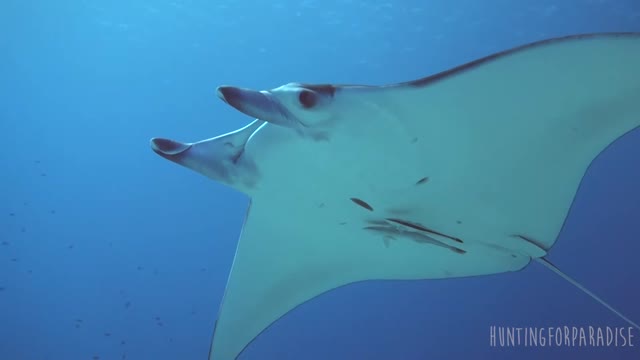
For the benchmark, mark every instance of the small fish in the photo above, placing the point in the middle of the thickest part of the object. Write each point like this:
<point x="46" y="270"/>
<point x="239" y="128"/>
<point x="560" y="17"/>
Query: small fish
<point x="422" y="181"/>
<point x="362" y="203"/>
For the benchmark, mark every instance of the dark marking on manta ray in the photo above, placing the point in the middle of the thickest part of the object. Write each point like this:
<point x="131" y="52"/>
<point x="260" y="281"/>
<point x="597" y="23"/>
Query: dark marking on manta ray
<point x="422" y="228"/>
<point x="422" y="181"/>
<point x="362" y="203"/>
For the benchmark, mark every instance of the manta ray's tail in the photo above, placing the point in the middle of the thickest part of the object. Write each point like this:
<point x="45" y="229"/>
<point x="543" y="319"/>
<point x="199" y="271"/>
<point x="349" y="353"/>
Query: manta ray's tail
<point x="553" y="268"/>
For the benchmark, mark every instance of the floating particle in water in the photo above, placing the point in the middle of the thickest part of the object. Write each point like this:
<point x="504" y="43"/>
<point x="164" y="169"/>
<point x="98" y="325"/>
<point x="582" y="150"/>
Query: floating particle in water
<point x="127" y="304"/>
<point x="79" y="320"/>
<point x="5" y="243"/>
<point x="43" y="174"/>
<point x="29" y="272"/>
<point x="160" y="324"/>
<point x="14" y="259"/>
<point x="1" y="288"/>
<point x="12" y="214"/>
<point x="122" y="342"/>
<point x="36" y="161"/>
<point x="107" y="334"/>
<point x="53" y="212"/>
<point x="157" y="318"/>
<point x="139" y="268"/>
<point x="70" y="246"/>
<point x="96" y="357"/>
<point x="77" y="326"/>
<point x="23" y="229"/>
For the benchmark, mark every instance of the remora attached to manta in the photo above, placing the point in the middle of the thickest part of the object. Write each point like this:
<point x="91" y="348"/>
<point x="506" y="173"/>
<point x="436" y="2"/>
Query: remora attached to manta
<point x="471" y="171"/>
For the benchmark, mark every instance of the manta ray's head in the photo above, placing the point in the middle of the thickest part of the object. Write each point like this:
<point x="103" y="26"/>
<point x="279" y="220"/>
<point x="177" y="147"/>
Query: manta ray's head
<point x="293" y="105"/>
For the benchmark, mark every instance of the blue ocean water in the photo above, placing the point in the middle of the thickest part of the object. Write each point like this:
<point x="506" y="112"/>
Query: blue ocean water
<point x="110" y="251"/>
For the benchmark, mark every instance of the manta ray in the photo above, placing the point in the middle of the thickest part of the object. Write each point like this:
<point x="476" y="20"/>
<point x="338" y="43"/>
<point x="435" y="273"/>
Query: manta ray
<point x="470" y="171"/>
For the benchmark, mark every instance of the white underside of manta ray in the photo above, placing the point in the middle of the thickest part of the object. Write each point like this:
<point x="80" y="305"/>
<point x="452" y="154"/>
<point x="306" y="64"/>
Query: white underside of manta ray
<point x="467" y="172"/>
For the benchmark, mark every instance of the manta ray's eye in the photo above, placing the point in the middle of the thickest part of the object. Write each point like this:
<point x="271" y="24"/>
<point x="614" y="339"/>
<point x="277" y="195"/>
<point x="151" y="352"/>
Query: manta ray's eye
<point x="307" y="98"/>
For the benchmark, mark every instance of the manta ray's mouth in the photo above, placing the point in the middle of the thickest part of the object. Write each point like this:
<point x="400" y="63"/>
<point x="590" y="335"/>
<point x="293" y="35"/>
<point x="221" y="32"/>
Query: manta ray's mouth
<point x="167" y="147"/>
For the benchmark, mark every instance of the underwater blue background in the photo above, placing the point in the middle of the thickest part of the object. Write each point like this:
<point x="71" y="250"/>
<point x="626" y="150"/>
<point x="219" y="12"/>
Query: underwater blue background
<point x="109" y="250"/>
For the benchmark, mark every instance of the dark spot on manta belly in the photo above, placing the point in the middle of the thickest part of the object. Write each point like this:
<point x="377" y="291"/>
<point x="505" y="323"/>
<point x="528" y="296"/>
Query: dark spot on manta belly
<point x="422" y="181"/>
<point x="362" y="203"/>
